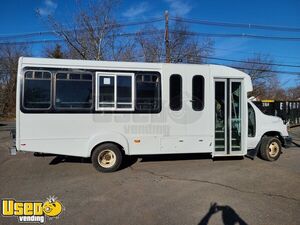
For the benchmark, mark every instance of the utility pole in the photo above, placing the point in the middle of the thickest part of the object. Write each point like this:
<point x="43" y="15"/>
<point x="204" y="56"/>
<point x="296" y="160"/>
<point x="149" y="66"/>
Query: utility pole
<point x="167" y="46"/>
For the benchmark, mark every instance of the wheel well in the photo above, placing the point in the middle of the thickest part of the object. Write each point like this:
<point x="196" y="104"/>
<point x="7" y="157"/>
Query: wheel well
<point x="108" y="142"/>
<point x="275" y="134"/>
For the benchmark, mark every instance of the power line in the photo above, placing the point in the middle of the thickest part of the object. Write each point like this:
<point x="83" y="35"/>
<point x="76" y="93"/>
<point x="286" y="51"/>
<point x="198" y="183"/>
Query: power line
<point x="173" y="32"/>
<point x="159" y="19"/>
<point x="60" y="40"/>
<point x="32" y="42"/>
<point x="251" y="53"/>
<point x="217" y="35"/>
<point x="270" y="71"/>
<point x="253" y="69"/>
<point x="145" y="33"/>
<point x="237" y="25"/>
<point x="251" y="62"/>
<point x="228" y="35"/>
<point x="115" y="25"/>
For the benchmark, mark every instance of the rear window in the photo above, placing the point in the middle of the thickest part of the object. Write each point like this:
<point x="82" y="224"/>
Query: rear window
<point x="37" y="90"/>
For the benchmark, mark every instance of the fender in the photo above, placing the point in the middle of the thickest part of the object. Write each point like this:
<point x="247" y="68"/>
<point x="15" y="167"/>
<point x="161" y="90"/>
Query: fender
<point x="107" y="137"/>
<point x="252" y="153"/>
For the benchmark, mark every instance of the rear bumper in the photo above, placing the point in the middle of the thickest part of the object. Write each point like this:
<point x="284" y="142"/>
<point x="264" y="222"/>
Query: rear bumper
<point x="12" y="148"/>
<point x="287" y="141"/>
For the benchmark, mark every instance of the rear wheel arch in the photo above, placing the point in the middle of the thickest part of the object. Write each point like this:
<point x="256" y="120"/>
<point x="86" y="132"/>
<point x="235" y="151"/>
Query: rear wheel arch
<point x="108" y="142"/>
<point x="110" y="137"/>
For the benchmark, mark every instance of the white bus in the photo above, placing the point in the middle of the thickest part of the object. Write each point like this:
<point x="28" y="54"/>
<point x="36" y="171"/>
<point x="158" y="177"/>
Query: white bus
<point x="106" y="110"/>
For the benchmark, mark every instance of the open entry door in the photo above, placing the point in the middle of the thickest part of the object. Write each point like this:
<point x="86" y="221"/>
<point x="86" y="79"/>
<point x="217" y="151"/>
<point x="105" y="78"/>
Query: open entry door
<point x="228" y="117"/>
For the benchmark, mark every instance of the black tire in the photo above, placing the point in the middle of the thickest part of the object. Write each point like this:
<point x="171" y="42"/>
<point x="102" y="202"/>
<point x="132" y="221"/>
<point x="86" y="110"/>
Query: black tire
<point x="265" y="150"/>
<point x="114" y="153"/>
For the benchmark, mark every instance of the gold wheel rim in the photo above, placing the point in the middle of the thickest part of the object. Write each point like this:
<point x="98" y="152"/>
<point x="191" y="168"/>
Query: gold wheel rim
<point x="273" y="149"/>
<point x="107" y="158"/>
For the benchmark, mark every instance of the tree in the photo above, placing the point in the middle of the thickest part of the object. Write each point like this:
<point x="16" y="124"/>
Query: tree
<point x="151" y="46"/>
<point x="294" y="93"/>
<point x="9" y="56"/>
<point x="260" y="70"/>
<point x="184" y="47"/>
<point x="275" y="91"/>
<point x="96" y="35"/>
<point x="94" y="32"/>
<point x="54" y="52"/>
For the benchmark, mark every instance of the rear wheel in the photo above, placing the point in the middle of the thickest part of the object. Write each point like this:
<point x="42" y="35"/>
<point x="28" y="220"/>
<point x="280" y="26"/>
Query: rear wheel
<point x="270" y="148"/>
<point x="107" y="158"/>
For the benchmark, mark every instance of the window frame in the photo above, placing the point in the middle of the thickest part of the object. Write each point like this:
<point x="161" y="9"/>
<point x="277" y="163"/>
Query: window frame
<point x="59" y="109"/>
<point x="146" y="111"/>
<point x="203" y="93"/>
<point x="180" y="105"/>
<point x="115" y="103"/>
<point x="248" y="104"/>
<point x="23" y="89"/>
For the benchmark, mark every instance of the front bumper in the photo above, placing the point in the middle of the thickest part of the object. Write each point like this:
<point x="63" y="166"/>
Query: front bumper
<point x="287" y="141"/>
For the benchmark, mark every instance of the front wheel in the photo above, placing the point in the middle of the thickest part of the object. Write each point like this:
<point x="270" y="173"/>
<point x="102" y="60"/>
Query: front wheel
<point x="270" y="148"/>
<point x="107" y="158"/>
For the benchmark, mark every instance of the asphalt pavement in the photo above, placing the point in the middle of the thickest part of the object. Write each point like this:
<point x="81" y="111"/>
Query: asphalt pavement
<point x="184" y="189"/>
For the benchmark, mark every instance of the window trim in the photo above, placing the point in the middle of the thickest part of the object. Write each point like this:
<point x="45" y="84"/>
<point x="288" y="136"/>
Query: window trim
<point x="23" y="89"/>
<point x="180" y="107"/>
<point x="158" y="110"/>
<point x="115" y="103"/>
<point x="74" y="80"/>
<point x="203" y="93"/>
<point x="248" y="104"/>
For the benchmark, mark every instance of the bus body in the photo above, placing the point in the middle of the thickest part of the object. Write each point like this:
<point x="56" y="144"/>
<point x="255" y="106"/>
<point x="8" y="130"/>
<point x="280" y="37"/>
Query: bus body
<point x="71" y="107"/>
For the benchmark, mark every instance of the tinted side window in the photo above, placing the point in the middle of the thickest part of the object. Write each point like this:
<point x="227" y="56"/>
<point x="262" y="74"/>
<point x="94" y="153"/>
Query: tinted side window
<point x="106" y="91"/>
<point x="198" y="93"/>
<point x="251" y="121"/>
<point x="148" y="93"/>
<point x="73" y="91"/>
<point x="124" y="91"/>
<point x="175" y="92"/>
<point x="37" y="90"/>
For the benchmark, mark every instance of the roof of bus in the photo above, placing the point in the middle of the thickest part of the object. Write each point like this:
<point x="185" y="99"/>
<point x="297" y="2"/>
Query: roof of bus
<point x="214" y="70"/>
<point x="49" y="62"/>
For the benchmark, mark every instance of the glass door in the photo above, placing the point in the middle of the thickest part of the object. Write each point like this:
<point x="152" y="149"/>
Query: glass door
<point x="228" y="117"/>
<point x="221" y="116"/>
<point x="235" y="107"/>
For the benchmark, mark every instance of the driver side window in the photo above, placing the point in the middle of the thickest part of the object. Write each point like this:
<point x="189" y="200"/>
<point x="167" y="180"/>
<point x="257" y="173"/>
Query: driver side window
<point x="251" y="121"/>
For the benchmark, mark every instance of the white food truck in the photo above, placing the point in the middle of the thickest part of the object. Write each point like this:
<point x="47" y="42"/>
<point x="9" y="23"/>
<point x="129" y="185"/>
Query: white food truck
<point x="106" y="110"/>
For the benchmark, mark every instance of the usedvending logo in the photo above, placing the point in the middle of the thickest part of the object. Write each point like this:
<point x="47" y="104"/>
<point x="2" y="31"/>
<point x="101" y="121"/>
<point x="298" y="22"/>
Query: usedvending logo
<point x="32" y="211"/>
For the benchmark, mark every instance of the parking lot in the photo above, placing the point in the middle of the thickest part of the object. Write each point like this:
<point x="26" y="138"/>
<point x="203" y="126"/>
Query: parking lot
<point x="191" y="189"/>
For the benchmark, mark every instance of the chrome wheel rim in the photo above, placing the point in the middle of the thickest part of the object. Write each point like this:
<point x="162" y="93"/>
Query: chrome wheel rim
<point x="273" y="149"/>
<point x="107" y="158"/>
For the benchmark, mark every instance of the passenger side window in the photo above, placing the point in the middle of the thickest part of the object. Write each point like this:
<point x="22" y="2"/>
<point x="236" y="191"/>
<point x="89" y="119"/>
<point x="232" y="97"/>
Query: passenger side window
<point x="251" y="121"/>
<point x="175" y="92"/>
<point x="114" y="91"/>
<point x="148" y="93"/>
<point x="198" y="93"/>
<point x="73" y="90"/>
<point x="37" y="90"/>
